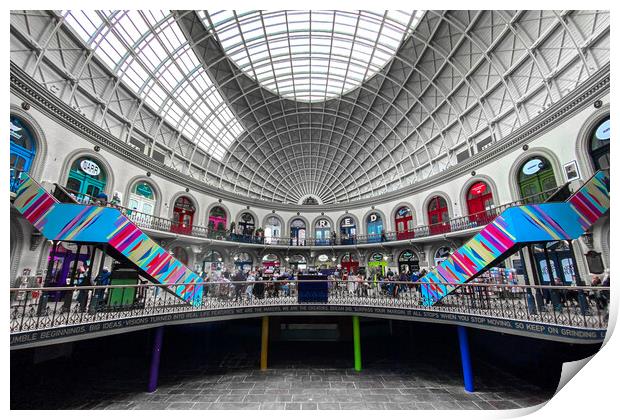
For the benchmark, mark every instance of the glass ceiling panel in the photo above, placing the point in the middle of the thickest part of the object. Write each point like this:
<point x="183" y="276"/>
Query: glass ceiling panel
<point x="148" y="51"/>
<point x="310" y="56"/>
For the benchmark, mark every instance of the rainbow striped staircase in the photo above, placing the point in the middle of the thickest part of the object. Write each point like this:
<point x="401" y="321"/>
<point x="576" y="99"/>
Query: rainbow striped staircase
<point x="515" y="228"/>
<point x="99" y="225"/>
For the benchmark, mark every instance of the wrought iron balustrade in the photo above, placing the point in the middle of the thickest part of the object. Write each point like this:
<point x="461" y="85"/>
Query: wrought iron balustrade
<point x="41" y="308"/>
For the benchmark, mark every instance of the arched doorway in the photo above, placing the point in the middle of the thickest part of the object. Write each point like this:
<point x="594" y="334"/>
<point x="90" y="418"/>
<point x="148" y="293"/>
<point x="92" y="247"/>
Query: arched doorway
<point x="246" y="224"/>
<point x="442" y="254"/>
<point x="536" y="176"/>
<point x="408" y="262"/>
<point x="438" y="217"/>
<point x="180" y="254"/>
<point x="217" y="222"/>
<point x="298" y="232"/>
<point x="347" y="231"/>
<point x="599" y="144"/>
<point x="87" y="179"/>
<point x="271" y="261"/>
<point x="22" y="150"/>
<point x="298" y="262"/>
<point x="374" y="226"/>
<point x="349" y="263"/>
<point x="377" y="262"/>
<point x="273" y="230"/>
<point x="142" y="198"/>
<point x="479" y="202"/>
<point x="243" y="261"/>
<point x="212" y="261"/>
<point x="322" y="232"/>
<point x="403" y="220"/>
<point x="183" y="216"/>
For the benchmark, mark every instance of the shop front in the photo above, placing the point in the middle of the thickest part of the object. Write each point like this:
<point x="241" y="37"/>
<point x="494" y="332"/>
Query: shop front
<point x="22" y="150"/>
<point x="349" y="263"/>
<point x="403" y="221"/>
<point x="347" y="231"/>
<point x="243" y="261"/>
<point x="479" y="202"/>
<point x="322" y="232"/>
<point x="217" y="222"/>
<point x="87" y="179"/>
<point x="408" y="262"/>
<point x="377" y="263"/>
<point x="298" y="232"/>
<point x="212" y="261"/>
<point x="271" y="262"/>
<point x="183" y="216"/>
<point x="438" y="217"/>
<point x="374" y="226"/>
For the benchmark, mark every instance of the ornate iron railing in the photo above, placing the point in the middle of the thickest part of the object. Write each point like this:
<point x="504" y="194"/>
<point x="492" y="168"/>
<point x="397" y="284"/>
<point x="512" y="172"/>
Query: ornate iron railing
<point x="34" y="309"/>
<point x="471" y="221"/>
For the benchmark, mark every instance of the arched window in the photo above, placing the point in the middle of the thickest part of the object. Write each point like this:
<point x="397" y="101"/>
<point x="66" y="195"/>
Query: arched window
<point x="438" y="217"/>
<point x="87" y="179"/>
<point x="403" y="220"/>
<point x="479" y="202"/>
<point x="212" y="261"/>
<point x="374" y="225"/>
<point x="273" y="230"/>
<point x="442" y="254"/>
<point x="217" y="221"/>
<point x="243" y="261"/>
<point x="183" y="216"/>
<point x="347" y="231"/>
<point x="180" y="254"/>
<point x="22" y="151"/>
<point x="322" y="232"/>
<point x="408" y="262"/>
<point x="298" y="232"/>
<point x="271" y="261"/>
<point x="142" y="198"/>
<point x="246" y="224"/>
<point x="599" y="144"/>
<point x="536" y="176"/>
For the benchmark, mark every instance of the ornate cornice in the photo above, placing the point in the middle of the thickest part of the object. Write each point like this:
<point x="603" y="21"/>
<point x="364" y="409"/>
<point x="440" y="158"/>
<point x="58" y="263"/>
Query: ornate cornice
<point x="46" y="102"/>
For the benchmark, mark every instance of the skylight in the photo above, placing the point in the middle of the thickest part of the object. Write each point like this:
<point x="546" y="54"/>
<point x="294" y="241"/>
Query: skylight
<point x="148" y="51"/>
<point x="310" y="56"/>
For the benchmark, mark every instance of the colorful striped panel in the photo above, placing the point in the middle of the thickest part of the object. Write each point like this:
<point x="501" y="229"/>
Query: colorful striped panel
<point x="94" y="224"/>
<point x="518" y="226"/>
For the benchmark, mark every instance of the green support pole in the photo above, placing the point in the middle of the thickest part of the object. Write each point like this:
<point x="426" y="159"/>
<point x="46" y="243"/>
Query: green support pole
<point x="357" y="349"/>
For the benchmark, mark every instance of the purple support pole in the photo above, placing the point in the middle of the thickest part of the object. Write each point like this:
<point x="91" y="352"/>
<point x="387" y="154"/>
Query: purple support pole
<point x="154" y="374"/>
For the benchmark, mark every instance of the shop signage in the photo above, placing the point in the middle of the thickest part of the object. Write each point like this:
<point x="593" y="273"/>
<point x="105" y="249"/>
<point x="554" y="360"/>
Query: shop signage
<point x="377" y="257"/>
<point x="533" y="166"/>
<point x="322" y="223"/>
<point x="518" y="327"/>
<point x="90" y="167"/>
<point x="406" y="255"/>
<point x="347" y="222"/>
<point x="478" y="188"/>
<point x="602" y="132"/>
<point x="323" y="258"/>
<point x="373" y="217"/>
<point x="144" y="190"/>
<point x="403" y="211"/>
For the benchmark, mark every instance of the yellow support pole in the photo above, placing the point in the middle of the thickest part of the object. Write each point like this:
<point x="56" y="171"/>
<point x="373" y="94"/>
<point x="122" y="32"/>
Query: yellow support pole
<point x="264" y="343"/>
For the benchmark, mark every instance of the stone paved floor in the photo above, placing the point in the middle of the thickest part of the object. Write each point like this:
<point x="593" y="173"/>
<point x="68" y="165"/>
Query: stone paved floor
<point x="236" y="383"/>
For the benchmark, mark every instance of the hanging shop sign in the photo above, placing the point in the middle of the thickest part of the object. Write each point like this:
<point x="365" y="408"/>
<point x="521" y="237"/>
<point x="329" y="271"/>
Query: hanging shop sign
<point x="602" y="132"/>
<point x="322" y="223"/>
<point x="323" y="258"/>
<point x="376" y="257"/>
<point x="90" y="167"/>
<point x="373" y="217"/>
<point x="533" y="166"/>
<point x="479" y="188"/>
<point x="406" y="256"/>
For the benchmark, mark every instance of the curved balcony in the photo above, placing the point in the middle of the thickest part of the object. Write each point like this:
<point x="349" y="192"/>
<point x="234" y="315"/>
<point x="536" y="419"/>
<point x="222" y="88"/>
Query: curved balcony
<point x="471" y="222"/>
<point x="39" y="316"/>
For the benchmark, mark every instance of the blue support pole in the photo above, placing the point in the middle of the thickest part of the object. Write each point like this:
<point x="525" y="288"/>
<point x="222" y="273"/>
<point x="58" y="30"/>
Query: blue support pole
<point x="468" y="375"/>
<point x="154" y="373"/>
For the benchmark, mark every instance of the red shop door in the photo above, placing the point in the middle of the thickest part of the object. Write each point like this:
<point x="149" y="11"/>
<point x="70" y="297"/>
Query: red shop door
<point x="404" y="228"/>
<point x="182" y="221"/>
<point x="438" y="218"/>
<point x="350" y="266"/>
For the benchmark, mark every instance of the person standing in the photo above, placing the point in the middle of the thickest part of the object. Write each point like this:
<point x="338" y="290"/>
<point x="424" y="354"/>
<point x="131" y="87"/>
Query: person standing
<point x="103" y="279"/>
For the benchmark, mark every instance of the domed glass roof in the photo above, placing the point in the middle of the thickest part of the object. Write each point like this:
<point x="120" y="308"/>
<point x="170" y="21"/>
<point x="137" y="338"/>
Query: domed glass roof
<point x="311" y="56"/>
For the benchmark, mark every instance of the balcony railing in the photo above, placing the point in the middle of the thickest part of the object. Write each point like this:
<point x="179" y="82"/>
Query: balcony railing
<point x="458" y="224"/>
<point x="41" y="308"/>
